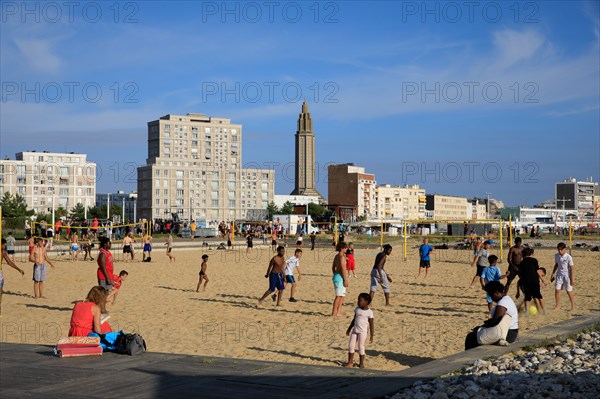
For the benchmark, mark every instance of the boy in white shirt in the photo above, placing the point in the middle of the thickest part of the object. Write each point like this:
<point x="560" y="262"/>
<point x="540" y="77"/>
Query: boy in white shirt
<point x="565" y="277"/>
<point x="293" y="263"/>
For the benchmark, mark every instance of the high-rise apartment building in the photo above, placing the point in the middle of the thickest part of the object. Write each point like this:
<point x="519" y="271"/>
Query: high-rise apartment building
<point x="406" y="203"/>
<point x="194" y="169"/>
<point x="576" y="195"/>
<point x="47" y="179"/>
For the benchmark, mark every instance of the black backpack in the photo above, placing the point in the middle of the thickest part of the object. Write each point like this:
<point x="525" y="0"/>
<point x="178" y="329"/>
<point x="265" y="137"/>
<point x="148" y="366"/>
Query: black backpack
<point x="131" y="344"/>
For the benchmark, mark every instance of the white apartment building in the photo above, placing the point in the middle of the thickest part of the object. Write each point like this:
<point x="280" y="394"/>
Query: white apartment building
<point x="446" y="207"/>
<point x="194" y="169"/>
<point x="399" y="203"/>
<point x="47" y="179"/>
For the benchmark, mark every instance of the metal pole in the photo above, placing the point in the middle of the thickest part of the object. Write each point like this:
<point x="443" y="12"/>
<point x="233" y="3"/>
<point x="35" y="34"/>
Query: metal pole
<point x="335" y="230"/>
<point x="134" y="211"/>
<point x="510" y="237"/>
<point x="108" y="206"/>
<point x="570" y="233"/>
<point x="501" y="238"/>
<point x="405" y="239"/>
<point x="85" y="209"/>
<point x="123" y="221"/>
<point x="53" y="208"/>
<point x="381" y="234"/>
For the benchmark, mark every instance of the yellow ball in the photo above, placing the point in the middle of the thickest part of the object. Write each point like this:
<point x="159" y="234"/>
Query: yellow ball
<point x="532" y="310"/>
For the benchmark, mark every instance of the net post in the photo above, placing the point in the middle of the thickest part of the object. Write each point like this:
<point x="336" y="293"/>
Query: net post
<point x="405" y="239"/>
<point x="501" y="239"/>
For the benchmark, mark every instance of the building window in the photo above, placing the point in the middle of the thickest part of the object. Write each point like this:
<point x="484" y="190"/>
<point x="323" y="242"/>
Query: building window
<point x="179" y="184"/>
<point x="179" y="193"/>
<point x="214" y="203"/>
<point x="214" y="194"/>
<point x="232" y="203"/>
<point x="179" y="174"/>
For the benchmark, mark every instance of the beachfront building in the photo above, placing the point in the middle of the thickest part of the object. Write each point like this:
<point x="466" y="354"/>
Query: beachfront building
<point x="351" y="191"/>
<point x="446" y="207"/>
<point x="576" y="195"/>
<point x="126" y="201"/>
<point x="194" y="170"/>
<point x="295" y="200"/>
<point x="399" y="203"/>
<point x="478" y="209"/>
<point x="305" y="169"/>
<point x="524" y="216"/>
<point x="50" y="179"/>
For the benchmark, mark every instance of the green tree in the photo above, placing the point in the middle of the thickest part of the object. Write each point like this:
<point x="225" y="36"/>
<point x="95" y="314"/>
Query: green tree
<point x="287" y="208"/>
<point x="316" y="211"/>
<point x="60" y="212"/>
<point x="14" y="210"/>
<point x="100" y="211"/>
<point x="78" y="212"/>
<point x="272" y="210"/>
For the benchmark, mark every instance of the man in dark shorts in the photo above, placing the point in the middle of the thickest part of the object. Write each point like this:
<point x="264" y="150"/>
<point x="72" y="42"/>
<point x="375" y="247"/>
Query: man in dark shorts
<point x="249" y="243"/>
<point x="425" y="250"/>
<point x="275" y="276"/>
<point x="515" y="257"/>
<point x="481" y="259"/>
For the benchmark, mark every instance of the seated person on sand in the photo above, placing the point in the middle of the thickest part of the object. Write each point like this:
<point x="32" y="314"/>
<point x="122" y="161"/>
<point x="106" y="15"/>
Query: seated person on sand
<point x="86" y="316"/>
<point x="503" y="327"/>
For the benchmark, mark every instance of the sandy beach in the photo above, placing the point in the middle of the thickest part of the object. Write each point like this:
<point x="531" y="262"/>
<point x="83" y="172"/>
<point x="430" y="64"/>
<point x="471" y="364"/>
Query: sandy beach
<point x="428" y="320"/>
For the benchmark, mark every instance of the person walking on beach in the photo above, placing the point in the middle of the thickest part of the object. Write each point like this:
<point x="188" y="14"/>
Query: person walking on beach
<point x="6" y="259"/>
<point x="75" y="249"/>
<point x="202" y="275"/>
<point x="39" y="257"/>
<point x="169" y="244"/>
<point x="514" y="260"/>
<point x="313" y="238"/>
<point x="425" y="250"/>
<point x="249" y="243"/>
<point x="481" y="260"/>
<point x="357" y="331"/>
<point x="275" y="276"/>
<point x="193" y="229"/>
<point x="379" y="276"/>
<point x="565" y="276"/>
<point x="340" y="278"/>
<point x="292" y="263"/>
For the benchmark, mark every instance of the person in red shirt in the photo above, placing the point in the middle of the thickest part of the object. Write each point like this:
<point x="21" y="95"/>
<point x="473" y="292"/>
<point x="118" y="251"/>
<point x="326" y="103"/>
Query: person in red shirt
<point x="105" y="265"/>
<point x="87" y="316"/>
<point x="111" y="299"/>
<point x="95" y="227"/>
<point x="57" y="228"/>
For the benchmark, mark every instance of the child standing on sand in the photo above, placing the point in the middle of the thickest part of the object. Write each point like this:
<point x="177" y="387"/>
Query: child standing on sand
<point x="363" y="318"/>
<point x="350" y="263"/>
<point x="565" y="276"/>
<point x="202" y="274"/>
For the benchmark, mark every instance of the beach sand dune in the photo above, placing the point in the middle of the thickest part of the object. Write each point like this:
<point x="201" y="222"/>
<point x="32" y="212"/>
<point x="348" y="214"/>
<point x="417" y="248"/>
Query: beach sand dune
<point x="428" y="319"/>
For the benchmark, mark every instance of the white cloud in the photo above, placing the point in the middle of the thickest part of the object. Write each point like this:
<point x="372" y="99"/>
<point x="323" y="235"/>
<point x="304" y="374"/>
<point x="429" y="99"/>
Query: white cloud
<point x="39" y="54"/>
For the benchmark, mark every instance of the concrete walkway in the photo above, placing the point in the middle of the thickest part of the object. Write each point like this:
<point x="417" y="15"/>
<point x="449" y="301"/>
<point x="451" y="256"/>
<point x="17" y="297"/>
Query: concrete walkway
<point x="31" y="371"/>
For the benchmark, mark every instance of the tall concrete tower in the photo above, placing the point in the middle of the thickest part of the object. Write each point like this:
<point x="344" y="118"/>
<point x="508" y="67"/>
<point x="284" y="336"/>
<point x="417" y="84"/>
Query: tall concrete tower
<point x="305" y="156"/>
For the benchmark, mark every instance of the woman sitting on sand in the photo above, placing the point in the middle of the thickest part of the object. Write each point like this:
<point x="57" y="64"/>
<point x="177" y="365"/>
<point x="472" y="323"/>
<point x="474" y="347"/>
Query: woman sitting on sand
<point x="86" y="317"/>
<point x="503" y="327"/>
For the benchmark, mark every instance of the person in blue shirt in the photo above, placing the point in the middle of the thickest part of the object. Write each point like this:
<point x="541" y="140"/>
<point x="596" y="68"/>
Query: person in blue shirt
<point x="424" y="251"/>
<point x="491" y="273"/>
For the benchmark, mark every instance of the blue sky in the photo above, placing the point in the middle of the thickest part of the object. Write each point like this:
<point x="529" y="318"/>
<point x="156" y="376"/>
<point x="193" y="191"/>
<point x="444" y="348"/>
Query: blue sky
<point x="501" y="98"/>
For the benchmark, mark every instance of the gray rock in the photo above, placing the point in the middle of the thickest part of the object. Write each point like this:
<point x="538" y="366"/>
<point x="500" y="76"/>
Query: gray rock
<point x="579" y="351"/>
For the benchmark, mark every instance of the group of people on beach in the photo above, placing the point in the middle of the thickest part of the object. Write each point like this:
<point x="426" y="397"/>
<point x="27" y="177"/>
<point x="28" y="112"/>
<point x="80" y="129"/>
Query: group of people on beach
<point x="282" y="273"/>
